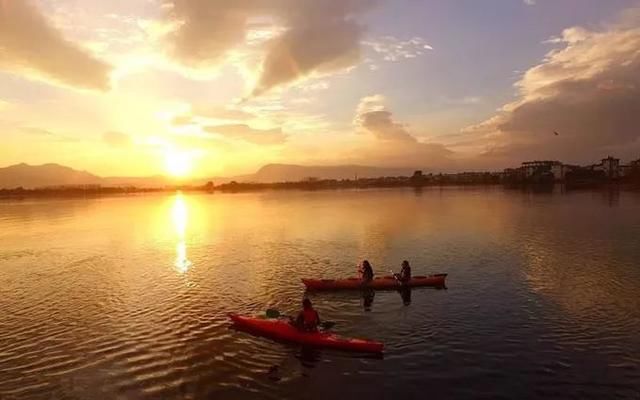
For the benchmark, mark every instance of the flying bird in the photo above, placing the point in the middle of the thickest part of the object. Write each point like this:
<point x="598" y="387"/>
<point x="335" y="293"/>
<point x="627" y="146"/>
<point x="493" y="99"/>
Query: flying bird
<point x="556" y="133"/>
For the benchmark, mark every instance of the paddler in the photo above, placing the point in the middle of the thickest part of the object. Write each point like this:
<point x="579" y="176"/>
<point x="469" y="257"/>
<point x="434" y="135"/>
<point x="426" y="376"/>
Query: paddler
<point x="405" y="273"/>
<point x="308" y="319"/>
<point x="366" y="272"/>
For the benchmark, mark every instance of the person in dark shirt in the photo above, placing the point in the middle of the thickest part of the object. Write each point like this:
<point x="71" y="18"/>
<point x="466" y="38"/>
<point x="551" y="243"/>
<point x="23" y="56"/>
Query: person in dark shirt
<point x="405" y="273"/>
<point x="366" y="272"/>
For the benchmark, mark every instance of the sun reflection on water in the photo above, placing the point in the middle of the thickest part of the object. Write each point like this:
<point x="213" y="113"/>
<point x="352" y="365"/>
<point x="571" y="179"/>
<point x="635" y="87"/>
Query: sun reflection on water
<point x="180" y="214"/>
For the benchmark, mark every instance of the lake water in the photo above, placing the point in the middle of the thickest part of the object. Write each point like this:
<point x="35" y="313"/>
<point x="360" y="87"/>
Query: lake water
<point x="127" y="297"/>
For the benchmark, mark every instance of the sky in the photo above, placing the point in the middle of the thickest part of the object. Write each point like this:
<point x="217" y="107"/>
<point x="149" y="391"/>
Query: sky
<point x="220" y="87"/>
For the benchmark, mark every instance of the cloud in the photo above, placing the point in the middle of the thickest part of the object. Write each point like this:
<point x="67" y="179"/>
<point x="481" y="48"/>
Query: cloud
<point x="588" y="91"/>
<point x="468" y="100"/>
<point x="182" y="120"/>
<point x="205" y="29"/>
<point x="36" y="131"/>
<point x="298" y="37"/>
<point x="393" y="49"/>
<point x="116" y="139"/>
<point x="45" y="134"/>
<point x="393" y="144"/>
<point x="372" y="117"/>
<point x="221" y="113"/>
<point x="210" y="114"/>
<point x="249" y="134"/>
<point x="30" y="46"/>
<point x="321" y="46"/>
<point x="529" y="2"/>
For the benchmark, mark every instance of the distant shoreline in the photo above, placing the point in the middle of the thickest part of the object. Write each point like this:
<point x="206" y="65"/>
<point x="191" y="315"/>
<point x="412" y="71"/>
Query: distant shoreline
<point x="309" y="185"/>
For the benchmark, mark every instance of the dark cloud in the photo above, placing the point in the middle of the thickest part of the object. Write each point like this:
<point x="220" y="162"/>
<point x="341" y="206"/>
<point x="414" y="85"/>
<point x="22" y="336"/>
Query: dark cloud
<point x="30" y="46"/>
<point x="321" y="46"/>
<point x="249" y="134"/>
<point x="313" y="36"/>
<point x="588" y="91"/>
<point x="207" y="29"/>
<point x="394" y="145"/>
<point x="381" y="124"/>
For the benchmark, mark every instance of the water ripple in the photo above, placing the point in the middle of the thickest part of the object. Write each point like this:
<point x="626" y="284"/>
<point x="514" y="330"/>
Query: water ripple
<point x="542" y="299"/>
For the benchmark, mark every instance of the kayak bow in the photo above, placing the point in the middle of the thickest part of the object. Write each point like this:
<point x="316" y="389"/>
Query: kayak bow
<point x="280" y="329"/>
<point x="385" y="282"/>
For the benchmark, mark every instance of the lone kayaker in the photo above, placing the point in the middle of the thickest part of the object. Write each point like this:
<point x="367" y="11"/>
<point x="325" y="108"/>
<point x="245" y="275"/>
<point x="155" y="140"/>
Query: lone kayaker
<point x="405" y="273"/>
<point x="308" y="319"/>
<point x="366" y="272"/>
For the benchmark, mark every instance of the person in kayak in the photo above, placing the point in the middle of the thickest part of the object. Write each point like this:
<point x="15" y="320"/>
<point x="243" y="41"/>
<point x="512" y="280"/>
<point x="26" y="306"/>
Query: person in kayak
<point x="308" y="319"/>
<point x="405" y="273"/>
<point x="366" y="272"/>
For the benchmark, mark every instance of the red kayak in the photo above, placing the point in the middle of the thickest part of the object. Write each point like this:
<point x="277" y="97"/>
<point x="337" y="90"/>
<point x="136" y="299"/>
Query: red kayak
<point x="385" y="282"/>
<point x="281" y="329"/>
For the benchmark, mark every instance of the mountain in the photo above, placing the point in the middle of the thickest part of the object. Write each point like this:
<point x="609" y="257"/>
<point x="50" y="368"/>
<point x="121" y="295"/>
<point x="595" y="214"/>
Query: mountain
<point x="29" y="176"/>
<point x="288" y="172"/>
<point x="36" y="176"/>
<point x="139" y="182"/>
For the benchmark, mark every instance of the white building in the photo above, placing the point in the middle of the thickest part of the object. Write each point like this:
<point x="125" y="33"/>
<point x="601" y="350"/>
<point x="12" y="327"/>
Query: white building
<point x="611" y="166"/>
<point x="537" y="167"/>
<point x="560" y="170"/>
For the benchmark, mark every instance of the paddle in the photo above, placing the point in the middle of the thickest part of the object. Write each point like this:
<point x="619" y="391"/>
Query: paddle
<point x="397" y="278"/>
<point x="274" y="313"/>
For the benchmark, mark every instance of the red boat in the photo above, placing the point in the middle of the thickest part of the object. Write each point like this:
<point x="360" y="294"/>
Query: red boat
<point x="281" y="329"/>
<point x="385" y="282"/>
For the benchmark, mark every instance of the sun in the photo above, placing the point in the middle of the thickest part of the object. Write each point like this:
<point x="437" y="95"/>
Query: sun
<point x="178" y="163"/>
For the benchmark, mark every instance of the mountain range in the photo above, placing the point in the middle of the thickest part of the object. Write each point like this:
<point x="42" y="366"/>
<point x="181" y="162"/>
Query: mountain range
<point x="50" y="175"/>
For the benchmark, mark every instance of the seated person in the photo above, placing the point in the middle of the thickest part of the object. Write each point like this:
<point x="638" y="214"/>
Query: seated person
<point x="366" y="271"/>
<point x="308" y="319"/>
<point x="405" y="273"/>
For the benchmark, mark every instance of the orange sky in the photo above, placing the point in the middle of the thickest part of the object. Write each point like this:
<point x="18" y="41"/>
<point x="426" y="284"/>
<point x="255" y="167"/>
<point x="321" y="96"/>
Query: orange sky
<point x="190" y="88"/>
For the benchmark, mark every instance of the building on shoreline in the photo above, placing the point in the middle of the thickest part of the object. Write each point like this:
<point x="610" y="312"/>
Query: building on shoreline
<point x="547" y="171"/>
<point x="530" y="172"/>
<point x="610" y="167"/>
<point x="537" y="172"/>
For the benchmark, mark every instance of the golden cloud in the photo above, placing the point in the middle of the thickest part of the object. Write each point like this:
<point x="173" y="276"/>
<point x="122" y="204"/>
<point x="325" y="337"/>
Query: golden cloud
<point x="30" y="46"/>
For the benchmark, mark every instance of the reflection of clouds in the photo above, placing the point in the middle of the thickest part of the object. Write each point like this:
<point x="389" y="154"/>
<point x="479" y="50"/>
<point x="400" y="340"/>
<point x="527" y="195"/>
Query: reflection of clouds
<point x="581" y="269"/>
<point x="180" y="214"/>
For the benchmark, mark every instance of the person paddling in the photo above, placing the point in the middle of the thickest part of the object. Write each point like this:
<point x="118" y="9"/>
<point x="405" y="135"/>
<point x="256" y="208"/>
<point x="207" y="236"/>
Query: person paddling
<point x="405" y="273"/>
<point x="366" y="272"/>
<point x="308" y="319"/>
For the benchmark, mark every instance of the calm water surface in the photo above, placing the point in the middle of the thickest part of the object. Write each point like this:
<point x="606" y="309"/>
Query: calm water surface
<point x="126" y="297"/>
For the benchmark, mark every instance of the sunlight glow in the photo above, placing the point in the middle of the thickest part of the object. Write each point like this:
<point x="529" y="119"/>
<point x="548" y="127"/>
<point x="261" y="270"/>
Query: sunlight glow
<point x="178" y="163"/>
<point x="182" y="263"/>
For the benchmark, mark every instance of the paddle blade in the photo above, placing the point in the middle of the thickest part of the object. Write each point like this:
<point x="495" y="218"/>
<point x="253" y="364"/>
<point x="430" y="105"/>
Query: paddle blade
<point x="273" y="313"/>
<point x="327" y="324"/>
